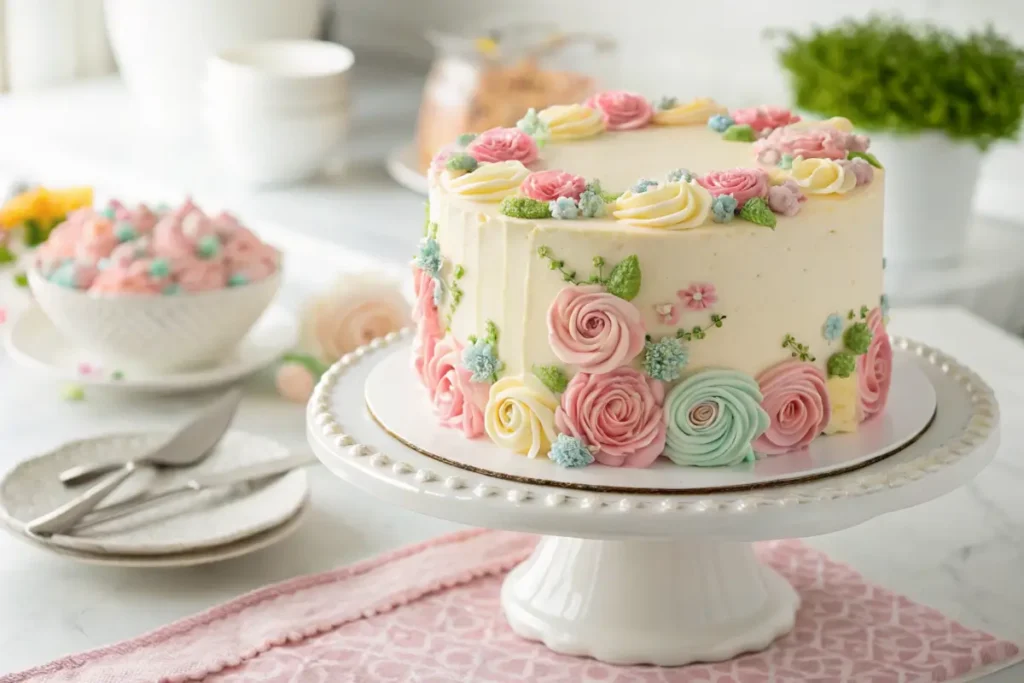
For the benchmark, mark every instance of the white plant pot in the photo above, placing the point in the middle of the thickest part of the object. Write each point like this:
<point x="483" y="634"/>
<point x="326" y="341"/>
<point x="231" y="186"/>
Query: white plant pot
<point x="162" y="46"/>
<point x="929" y="191"/>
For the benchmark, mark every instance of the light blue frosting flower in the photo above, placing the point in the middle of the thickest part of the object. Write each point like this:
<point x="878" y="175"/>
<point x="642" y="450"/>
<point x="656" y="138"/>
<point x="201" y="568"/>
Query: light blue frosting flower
<point x="429" y="257"/>
<point x="665" y="359"/>
<point x="565" y="208"/>
<point x="723" y="208"/>
<point x="712" y="418"/>
<point x="720" y="122"/>
<point x="833" y="327"/>
<point x="481" y="360"/>
<point x="591" y="205"/>
<point x="160" y="267"/>
<point x="642" y="185"/>
<point x="208" y="247"/>
<point x="786" y="161"/>
<point x="532" y="125"/>
<point x="65" y="275"/>
<point x="125" y="231"/>
<point x="568" y="451"/>
<point x="666" y="103"/>
<point x="675" y="175"/>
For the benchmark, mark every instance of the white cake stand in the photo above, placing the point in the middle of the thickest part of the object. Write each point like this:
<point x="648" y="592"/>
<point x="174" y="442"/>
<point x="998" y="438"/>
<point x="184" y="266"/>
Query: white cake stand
<point x="666" y="578"/>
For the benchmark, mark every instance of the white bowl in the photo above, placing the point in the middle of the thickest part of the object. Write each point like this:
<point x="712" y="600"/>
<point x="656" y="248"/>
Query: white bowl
<point x="162" y="46"/>
<point x="280" y="75"/>
<point x="155" y="333"/>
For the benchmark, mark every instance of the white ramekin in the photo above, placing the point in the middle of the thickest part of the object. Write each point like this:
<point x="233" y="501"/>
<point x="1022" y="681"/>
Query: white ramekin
<point x="155" y="333"/>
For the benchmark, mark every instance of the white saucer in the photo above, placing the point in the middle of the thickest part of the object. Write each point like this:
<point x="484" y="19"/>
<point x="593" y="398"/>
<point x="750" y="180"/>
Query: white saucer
<point x="186" y="524"/>
<point x="398" y="403"/>
<point x="33" y="341"/>
<point x="403" y="167"/>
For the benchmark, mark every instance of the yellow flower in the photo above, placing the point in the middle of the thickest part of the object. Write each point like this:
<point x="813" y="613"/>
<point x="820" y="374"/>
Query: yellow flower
<point x="520" y="415"/>
<point x="489" y="182"/>
<point x="842" y="394"/>
<point x="43" y="205"/>
<point x="572" y="121"/>
<point x="675" y="206"/>
<point x="694" y="112"/>
<point x="822" y="176"/>
<point x="838" y="122"/>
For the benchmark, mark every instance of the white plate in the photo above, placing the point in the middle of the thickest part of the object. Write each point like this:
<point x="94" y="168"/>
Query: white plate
<point x="398" y="402"/>
<point x="190" y="559"/>
<point x="404" y="169"/>
<point x="35" y="343"/>
<point x="184" y="524"/>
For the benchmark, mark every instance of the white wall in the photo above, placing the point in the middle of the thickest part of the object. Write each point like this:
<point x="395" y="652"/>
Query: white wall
<point x="698" y="47"/>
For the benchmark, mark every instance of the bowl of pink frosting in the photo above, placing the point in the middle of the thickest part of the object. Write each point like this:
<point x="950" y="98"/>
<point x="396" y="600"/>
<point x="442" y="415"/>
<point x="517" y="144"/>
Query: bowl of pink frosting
<point x="154" y="289"/>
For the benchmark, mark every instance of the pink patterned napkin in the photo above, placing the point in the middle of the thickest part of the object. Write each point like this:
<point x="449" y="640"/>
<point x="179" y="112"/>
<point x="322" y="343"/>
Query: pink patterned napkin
<point x="430" y="614"/>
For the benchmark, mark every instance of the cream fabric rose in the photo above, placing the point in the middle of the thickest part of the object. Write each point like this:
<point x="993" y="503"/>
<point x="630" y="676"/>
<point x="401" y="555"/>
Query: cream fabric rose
<point x="822" y="176"/>
<point x="489" y="182"/>
<point x="572" y="122"/>
<point x="690" y="113"/>
<point x="520" y="415"/>
<point x="357" y="310"/>
<point x="675" y="206"/>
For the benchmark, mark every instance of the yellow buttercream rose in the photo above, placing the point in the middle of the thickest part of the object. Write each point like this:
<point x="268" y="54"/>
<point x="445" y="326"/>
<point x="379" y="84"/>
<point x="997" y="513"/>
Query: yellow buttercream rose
<point x="520" y="415"/>
<point x="822" y="176"/>
<point x="842" y="394"/>
<point x="840" y="123"/>
<point x="571" y="122"/>
<point x="694" y="112"/>
<point x="674" y="206"/>
<point x="489" y="182"/>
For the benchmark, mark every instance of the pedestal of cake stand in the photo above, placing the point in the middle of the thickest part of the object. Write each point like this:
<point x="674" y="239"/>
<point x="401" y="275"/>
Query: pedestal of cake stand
<point x="651" y="578"/>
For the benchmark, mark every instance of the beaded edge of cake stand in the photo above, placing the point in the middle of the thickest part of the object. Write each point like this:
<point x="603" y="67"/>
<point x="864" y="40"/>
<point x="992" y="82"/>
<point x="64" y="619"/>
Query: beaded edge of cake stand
<point x="984" y="416"/>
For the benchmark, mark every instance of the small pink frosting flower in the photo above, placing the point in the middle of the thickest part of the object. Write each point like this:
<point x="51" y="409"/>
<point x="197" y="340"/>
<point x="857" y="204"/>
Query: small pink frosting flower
<point x="621" y="110"/>
<point x="762" y="118"/>
<point x="503" y="144"/>
<point x="796" y="400"/>
<point x="458" y="401"/>
<point x="200" y="275"/>
<point x="546" y="186"/>
<point x="594" y="330"/>
<point x="698" y="296"/>
<point x="874" y="368"/>
<point x="96" y="240"/>
<point x="133" y="278"/>
<point x="668" y="314"/>
<point x="617" y="414"/>
<point x="811" y="143"/>
<point x="742" y="183"/>
<point x="785" y="199"/>
<point x="861" y="170"/>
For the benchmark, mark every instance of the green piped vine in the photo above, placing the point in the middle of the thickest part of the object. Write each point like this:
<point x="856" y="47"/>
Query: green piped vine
<point x="623" y="280"/>
<point x="796" y="349"/>
<point x="700" y="332"/>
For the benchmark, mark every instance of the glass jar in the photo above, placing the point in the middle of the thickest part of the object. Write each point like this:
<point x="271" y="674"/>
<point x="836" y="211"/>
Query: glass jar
<point x="483" y="80"/>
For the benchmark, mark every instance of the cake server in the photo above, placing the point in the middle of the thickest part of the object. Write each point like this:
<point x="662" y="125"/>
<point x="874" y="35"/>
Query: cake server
<point x="190" y="444"/>
<point x="218" y="412"/>
<point x="239" y="475"/>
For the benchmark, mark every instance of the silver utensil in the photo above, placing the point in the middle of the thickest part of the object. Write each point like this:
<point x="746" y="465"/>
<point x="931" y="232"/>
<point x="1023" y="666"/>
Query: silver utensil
<point x="190" y="444"/>
<point x="220" y="411"/>
<point x="239" y="475"/>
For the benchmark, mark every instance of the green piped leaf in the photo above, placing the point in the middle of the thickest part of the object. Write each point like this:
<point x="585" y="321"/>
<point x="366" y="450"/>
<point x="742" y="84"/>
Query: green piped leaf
<point x="739" y="133"/>
<point x="524" y="207"/>
<point x="552" y="376"/>
<point x="866" y="156"/>
<point x="625" y="278"/>
<point x="756" y="211"/>
<point x="311" y="363"/>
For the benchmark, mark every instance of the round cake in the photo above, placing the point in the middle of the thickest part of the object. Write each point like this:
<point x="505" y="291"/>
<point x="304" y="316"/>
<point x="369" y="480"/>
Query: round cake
<point x="621" y="280"/>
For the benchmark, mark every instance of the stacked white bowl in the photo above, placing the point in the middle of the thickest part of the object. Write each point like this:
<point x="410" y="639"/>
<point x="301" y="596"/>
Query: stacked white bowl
<point x="277" y="111"/>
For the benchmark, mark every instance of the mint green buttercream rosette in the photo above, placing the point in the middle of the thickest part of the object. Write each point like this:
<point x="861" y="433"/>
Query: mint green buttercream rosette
<point x="712" y="418"/>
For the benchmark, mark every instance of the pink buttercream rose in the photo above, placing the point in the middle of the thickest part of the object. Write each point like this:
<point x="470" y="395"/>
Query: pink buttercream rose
<point x="811" y="143"/>
<point x="874" y="368"/>
<point x="621" y="110"/>
<point x="200" y="275"/>
<point x="546" y="186"/>
<point x="742" y="183"/>
<point x="458" y="401"/>
<point x="428" y="322"/>
<point x="797" y="402"/>
<point x="785" y="199"/>
<point x="247" y="255"/>
<point x="134" y="278"/>
<point x="96" y="240"/>
<point x="617" y="414"/>
<point x="594" y="330"/>
<point x="764" y="118"/>
<point x="503" y="144"/>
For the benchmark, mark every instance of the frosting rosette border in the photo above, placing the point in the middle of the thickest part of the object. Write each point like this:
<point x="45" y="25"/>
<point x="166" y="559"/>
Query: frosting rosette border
<point x="712" y="418"/>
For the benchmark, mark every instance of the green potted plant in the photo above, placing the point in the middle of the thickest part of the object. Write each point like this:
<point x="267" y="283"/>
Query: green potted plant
<point x="933" y="103"/>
